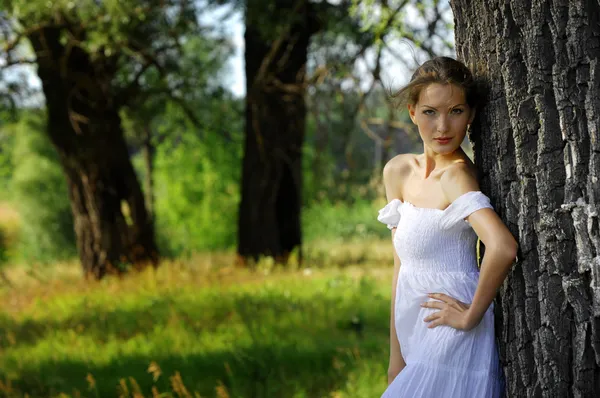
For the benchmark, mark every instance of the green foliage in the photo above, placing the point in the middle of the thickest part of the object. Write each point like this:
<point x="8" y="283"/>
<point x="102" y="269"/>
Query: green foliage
<point x="111" y="23"/>
<point x="40" y="194"/>
<point x="197" y="181"/>
<point x="198" y="82"/>
<point x="343" y="221"/>
<point x="137" y="47"/>
<point x="6" y="158"/>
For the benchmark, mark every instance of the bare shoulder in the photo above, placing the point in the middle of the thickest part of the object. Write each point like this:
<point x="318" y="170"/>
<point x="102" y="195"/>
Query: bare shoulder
<point x="459" y="179"/>
<point x="399" y="164"/>
<point x="394" y="174"/>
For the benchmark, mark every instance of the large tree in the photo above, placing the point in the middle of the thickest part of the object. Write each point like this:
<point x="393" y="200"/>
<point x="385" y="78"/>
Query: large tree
<point x="94" y="58"/>
<point x="537" y="145"/>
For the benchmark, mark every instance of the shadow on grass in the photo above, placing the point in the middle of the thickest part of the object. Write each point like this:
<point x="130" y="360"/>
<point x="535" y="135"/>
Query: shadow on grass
<point x="306" y="346"/>
<point x="266" y="369"/>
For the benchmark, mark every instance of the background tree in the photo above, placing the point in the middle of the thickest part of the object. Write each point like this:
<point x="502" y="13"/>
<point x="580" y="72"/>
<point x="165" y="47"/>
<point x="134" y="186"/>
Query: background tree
<point x="341" y="47"/>
<point x="276" y="54"/>
<point x="537" y="146"/>
<point x="93" y="60"/>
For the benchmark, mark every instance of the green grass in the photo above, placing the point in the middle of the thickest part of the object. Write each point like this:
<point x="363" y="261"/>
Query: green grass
<point x="202" y="328"/>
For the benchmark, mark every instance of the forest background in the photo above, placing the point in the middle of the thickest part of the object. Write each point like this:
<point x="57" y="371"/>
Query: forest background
<point x="212" y="319"/>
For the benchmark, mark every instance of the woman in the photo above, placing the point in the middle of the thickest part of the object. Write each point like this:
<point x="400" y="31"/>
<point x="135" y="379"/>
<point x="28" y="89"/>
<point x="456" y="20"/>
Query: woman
<point x="442" y="341"/>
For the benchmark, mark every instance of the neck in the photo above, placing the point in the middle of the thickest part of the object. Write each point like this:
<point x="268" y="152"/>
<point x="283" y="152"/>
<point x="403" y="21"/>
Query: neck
<point x="433" y="160"/>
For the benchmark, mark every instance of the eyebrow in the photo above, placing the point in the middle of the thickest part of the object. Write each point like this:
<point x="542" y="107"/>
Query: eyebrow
<point x="432" y="107"/>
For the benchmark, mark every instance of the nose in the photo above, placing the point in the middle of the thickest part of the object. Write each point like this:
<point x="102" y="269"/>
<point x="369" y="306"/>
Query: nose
<point x="443" y="124"/>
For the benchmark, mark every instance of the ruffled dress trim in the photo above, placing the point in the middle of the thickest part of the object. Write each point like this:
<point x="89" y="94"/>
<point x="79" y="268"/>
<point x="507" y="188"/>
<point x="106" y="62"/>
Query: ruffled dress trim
<point x="462" y="207"/>
<point x="390" y="214"/>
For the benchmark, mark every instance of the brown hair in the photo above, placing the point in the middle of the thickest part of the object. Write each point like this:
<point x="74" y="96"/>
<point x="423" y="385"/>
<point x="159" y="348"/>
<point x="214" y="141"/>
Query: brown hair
<point x="442" y="70"/>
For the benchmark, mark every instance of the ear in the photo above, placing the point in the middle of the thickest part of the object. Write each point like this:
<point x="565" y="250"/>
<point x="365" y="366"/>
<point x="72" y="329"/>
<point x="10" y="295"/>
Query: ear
<point x="411" y="112"/>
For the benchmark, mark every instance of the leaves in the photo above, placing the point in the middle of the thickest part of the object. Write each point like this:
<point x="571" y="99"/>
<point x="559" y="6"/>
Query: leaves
<point x="124" y="40"/>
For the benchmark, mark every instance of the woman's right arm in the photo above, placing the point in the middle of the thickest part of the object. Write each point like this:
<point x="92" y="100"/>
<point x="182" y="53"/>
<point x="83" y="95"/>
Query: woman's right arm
<point x="394" y="172"/>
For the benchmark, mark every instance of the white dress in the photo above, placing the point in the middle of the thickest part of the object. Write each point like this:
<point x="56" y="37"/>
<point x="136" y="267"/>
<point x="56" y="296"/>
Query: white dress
<point x="437" y="253"/>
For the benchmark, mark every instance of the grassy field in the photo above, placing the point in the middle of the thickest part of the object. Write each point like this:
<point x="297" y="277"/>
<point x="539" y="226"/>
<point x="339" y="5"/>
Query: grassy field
<point x="202" y="328"/>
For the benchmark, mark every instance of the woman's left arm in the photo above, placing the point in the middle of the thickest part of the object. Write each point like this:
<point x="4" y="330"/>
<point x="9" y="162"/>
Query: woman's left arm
<point x="500" y="252"/>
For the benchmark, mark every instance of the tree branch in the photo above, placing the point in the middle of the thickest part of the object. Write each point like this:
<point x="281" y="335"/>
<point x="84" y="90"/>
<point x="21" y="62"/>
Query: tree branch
<point x="13" y="62"/>
<point x="186" y="109"/>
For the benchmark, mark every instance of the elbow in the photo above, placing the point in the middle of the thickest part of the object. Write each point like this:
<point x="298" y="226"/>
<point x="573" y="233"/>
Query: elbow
<point x="507" y="249"/>
<point x="512" y="249"/>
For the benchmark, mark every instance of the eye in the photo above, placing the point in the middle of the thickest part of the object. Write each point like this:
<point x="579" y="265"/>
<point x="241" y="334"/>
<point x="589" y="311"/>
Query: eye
<point x="428" y="112"/>
<point x="457" y="111"/>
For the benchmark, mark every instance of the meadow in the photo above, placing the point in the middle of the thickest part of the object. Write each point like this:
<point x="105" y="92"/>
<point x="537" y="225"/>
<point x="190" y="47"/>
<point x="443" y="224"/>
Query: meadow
<point x="202" y="327"/>
<point x="198" y="326"/>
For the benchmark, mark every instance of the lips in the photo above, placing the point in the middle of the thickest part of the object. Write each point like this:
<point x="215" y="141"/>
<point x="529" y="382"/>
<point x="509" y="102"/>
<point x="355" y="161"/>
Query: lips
<point x="443" y="140"/>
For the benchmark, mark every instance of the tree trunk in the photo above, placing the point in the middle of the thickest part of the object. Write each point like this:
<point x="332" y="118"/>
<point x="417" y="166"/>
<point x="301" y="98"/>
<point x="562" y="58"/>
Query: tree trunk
<point x="537" y="146"/>
<point x="276" y="54"/>
<point x="111" y="223"/>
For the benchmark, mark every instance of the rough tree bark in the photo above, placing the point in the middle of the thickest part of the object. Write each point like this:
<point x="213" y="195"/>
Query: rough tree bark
<point x="111" y="223"/>
<point x="276" y="54"/>
<point x="537" y="145"/>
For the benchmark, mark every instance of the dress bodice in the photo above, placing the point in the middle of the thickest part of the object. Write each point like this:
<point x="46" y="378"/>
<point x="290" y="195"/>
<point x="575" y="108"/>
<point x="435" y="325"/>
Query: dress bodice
<point x="434" y="240"/>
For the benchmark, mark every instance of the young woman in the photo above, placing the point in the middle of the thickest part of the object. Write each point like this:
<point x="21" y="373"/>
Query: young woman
<point x="442" y="341"/>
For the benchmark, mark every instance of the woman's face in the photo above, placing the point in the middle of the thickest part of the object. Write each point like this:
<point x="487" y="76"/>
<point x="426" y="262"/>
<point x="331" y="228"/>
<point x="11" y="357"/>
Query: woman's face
<point x="442" y="115"/>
